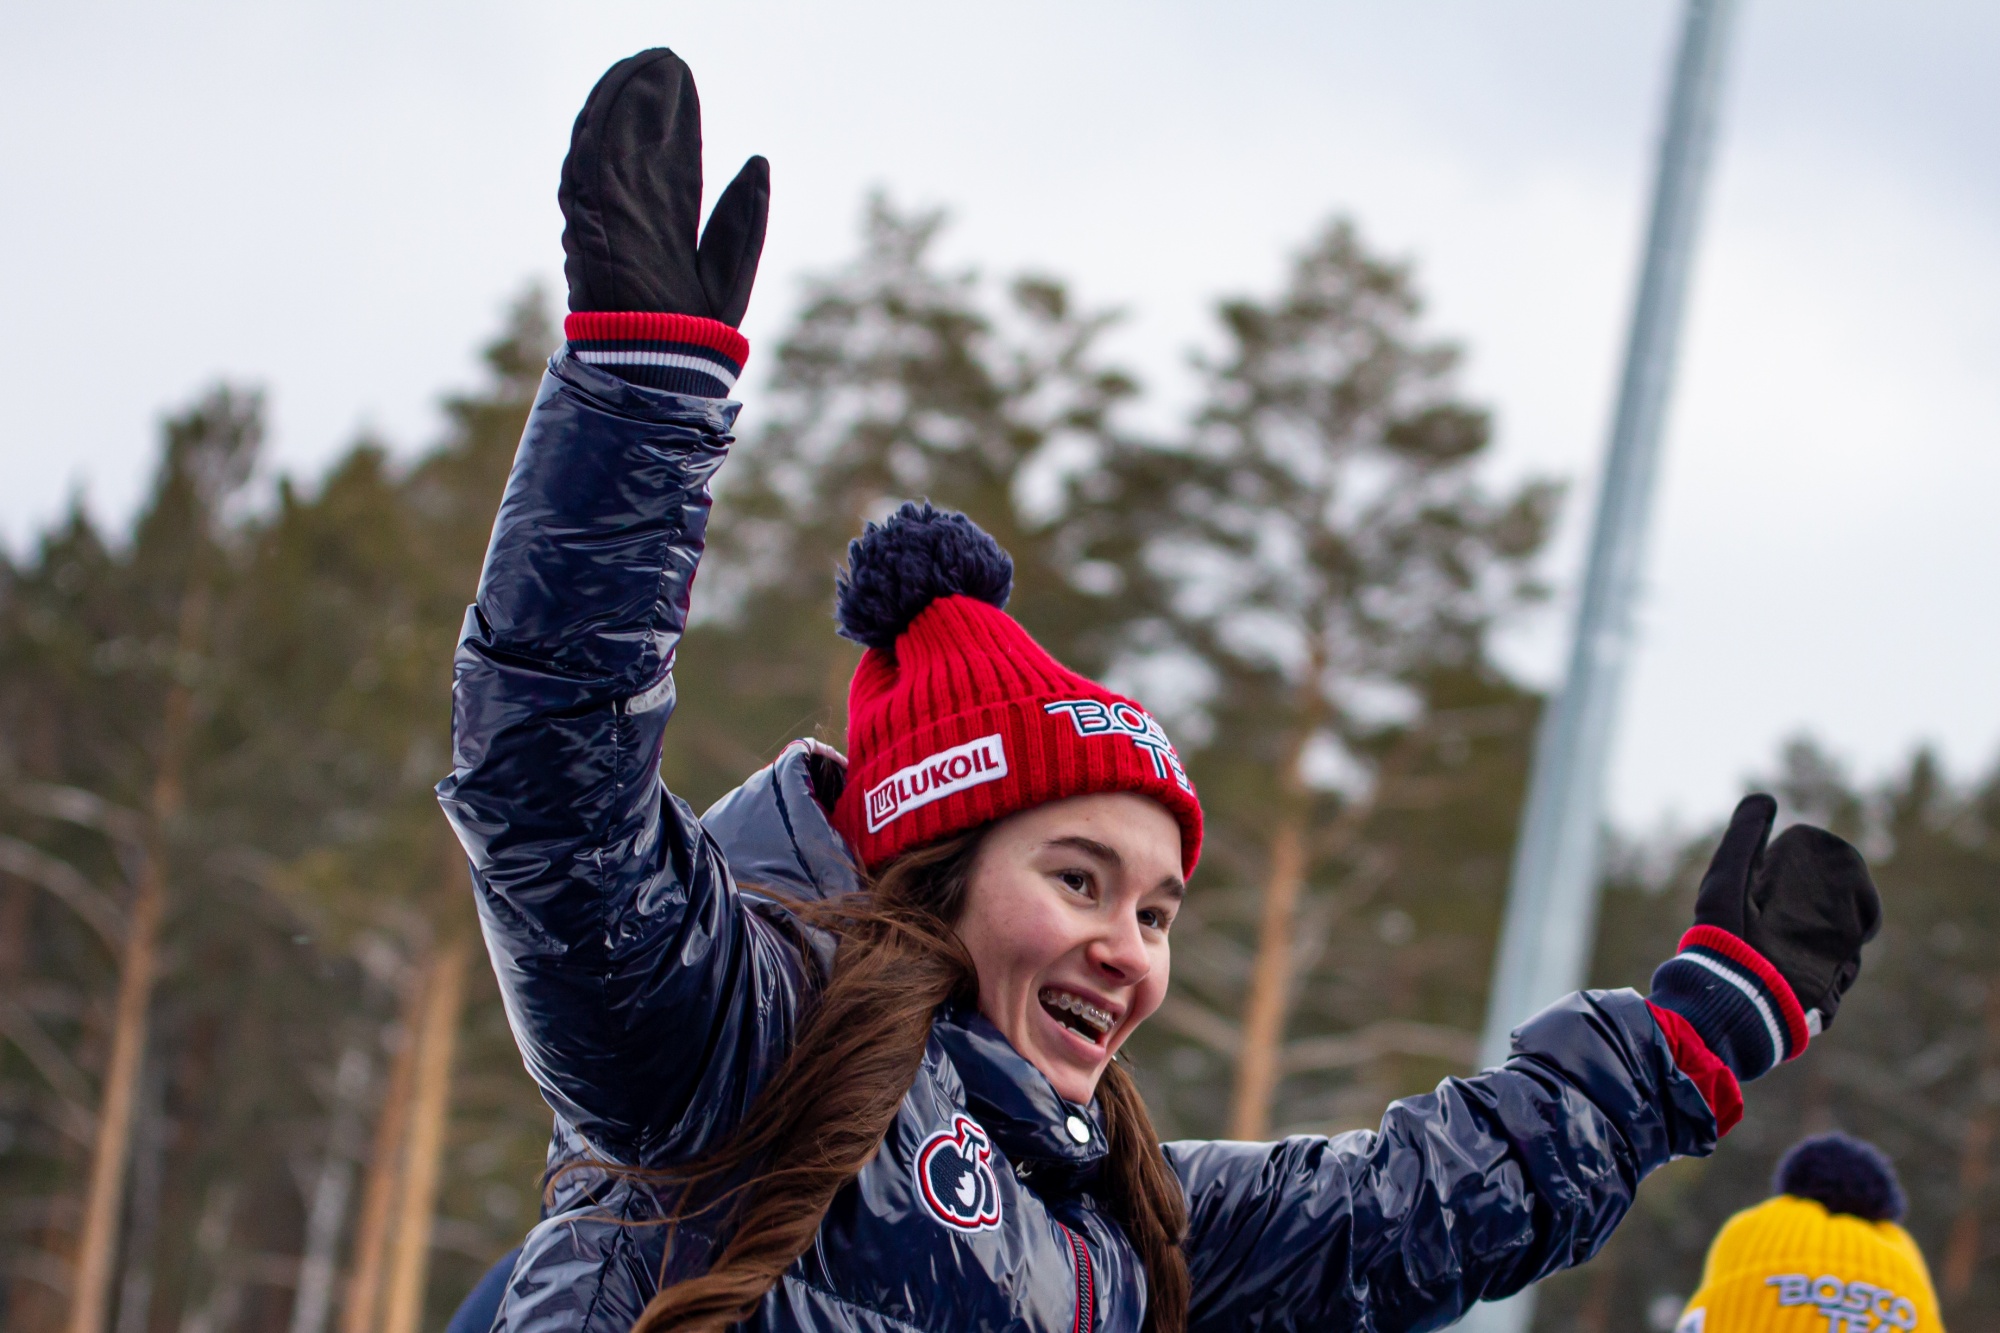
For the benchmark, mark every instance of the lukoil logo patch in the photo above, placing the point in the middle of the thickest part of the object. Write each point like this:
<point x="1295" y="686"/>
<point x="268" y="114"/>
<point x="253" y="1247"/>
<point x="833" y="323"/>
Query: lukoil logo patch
<point x="1093" y="717"/>
<point x="942" y="774"/>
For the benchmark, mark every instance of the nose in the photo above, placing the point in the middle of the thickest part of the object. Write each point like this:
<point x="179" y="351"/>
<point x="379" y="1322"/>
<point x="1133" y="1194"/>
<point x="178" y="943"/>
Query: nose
<point x="1119" y="952"/>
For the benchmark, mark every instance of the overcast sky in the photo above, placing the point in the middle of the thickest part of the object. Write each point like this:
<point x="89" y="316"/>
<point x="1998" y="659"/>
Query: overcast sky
<point x="336" y="202"/>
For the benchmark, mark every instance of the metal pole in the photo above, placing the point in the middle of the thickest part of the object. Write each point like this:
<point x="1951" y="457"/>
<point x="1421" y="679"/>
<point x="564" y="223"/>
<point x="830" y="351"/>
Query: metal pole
<point x="1552" y="897"/>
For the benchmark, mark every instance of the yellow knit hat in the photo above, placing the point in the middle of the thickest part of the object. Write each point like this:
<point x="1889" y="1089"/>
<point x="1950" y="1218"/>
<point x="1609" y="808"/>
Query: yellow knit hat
<point x="1790" y="1265"/>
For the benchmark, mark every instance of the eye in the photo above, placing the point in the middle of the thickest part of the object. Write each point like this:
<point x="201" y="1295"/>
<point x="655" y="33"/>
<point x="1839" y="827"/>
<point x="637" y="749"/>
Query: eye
<point x="1156" y="918"/>
<point x="1078" y="882"/>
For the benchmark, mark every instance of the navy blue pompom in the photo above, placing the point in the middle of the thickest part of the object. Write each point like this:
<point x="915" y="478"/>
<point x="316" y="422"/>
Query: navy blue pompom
<point x="899" y="567"/>
<point x="1845" y="1174"/>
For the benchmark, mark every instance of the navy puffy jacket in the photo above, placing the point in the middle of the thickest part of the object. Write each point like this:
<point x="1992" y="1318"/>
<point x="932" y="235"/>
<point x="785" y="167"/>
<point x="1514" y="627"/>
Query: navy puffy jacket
<point x="652" y="996"/>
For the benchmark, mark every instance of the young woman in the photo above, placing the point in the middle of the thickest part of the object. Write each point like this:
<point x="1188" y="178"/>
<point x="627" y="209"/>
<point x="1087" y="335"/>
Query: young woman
<point x="839" y="1053"/>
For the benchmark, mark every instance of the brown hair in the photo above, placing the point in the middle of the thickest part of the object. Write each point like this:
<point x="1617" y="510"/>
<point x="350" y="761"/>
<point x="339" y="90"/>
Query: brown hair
<point x="826" y="1110"/>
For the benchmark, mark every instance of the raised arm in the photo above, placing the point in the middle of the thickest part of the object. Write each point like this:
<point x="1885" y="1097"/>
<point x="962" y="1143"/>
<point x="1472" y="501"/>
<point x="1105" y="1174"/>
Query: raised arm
<point x="646" y="1001"/>
<point x="1468" y="1193"/>
<point x="628" y="970"/>
<point x="1493" y="1182"/>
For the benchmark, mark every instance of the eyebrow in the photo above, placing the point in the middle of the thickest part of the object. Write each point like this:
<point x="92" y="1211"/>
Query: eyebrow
<point x="1175" y="886"/>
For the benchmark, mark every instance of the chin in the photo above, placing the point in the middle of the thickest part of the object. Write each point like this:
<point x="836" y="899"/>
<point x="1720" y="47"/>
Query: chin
<point x="1076" y="1087"/>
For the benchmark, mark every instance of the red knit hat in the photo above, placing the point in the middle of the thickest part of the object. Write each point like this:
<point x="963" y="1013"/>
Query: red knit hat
<point x="957" y="717"/>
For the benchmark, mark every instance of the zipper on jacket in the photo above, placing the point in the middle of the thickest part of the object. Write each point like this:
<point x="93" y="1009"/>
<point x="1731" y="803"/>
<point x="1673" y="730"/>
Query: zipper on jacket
<point x="1086" y="1282"/>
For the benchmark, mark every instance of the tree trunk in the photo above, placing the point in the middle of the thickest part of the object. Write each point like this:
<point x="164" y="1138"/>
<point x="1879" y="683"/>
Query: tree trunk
<point x="437" y="1043"/>
<point x="103" y="1202"/>
<point x="328" y="1207"/>
<point x="216" y="1312"/>
<point x="1594" y="1316"/>
<point x="1961" y="1256"/>
<point x="105" y="1195"/>
<point x="1264" y="1008"/>
<point x="135" y="1293"/>
<point x="385" y="1159"/>
<point x="1268" y="1003"/>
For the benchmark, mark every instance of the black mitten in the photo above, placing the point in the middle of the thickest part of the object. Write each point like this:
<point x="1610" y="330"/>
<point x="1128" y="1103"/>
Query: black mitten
<point x="649" y="303"/>
<point x="1776" y="942"/>
<point x="631" y="201"/>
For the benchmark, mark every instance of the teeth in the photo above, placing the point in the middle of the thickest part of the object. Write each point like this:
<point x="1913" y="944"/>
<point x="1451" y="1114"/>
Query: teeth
<point x="1082" y="1008"/>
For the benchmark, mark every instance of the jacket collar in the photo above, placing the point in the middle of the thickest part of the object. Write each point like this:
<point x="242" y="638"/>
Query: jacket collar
<point x="774" y="832"/>
<point x="1014" y="1101"/>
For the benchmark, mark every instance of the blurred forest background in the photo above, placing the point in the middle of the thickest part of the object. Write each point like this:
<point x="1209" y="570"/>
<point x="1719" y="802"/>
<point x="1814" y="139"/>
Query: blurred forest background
<point x="238" y="960"/>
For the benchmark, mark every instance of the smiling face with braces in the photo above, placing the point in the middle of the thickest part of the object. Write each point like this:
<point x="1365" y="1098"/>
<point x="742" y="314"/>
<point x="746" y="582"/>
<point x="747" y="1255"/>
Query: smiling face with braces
<point x="1066" y="916"/>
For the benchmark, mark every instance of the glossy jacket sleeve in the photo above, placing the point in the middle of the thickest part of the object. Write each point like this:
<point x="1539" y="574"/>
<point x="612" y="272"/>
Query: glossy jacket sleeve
<point x="646" y="1001"/>
<point x="1467" y="1193"/>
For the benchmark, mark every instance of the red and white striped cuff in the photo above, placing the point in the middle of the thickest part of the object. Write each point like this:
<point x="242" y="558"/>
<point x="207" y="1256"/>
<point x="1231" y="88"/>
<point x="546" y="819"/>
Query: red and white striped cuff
<point x="676" y="353"/>
<point x="1741" y="1006"/>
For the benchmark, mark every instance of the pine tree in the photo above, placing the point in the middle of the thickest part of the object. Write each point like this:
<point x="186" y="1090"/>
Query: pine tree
<point x="902" y="381"/>
<point x="1323" y="555"/>
<point x="110" y="657"/>
<point x="314" y="891"/>
<point x="342" y="712"/>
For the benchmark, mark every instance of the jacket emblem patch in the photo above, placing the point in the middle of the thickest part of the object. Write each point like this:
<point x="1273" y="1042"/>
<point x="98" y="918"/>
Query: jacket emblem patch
<point x="955" y="1177"/>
